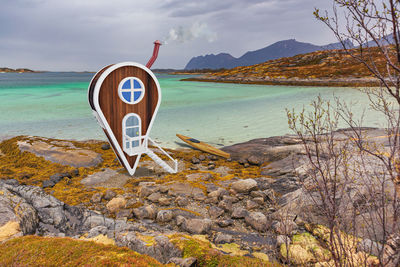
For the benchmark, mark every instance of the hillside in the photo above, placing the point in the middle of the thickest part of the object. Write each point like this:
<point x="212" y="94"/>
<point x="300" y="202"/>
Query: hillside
<point x="322" y="68"/>
<point x="285" y="48"/>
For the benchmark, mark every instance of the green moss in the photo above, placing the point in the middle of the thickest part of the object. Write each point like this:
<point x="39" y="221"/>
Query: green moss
<point x="208" y="255"/>
<point x="305" y="249"/>
<point x="42" y="251"/>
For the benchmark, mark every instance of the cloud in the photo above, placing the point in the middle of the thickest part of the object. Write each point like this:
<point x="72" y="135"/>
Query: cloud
<point x="183" y="34"/>
<point x="86" y="35"/>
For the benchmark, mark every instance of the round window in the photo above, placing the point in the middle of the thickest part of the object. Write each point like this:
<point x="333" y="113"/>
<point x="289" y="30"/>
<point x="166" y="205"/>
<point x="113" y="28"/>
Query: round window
<point x="131" y="90"/>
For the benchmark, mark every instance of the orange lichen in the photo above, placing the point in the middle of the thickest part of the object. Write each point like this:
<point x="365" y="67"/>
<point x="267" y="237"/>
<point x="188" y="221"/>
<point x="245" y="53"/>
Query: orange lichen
<point x="44" y="251"/>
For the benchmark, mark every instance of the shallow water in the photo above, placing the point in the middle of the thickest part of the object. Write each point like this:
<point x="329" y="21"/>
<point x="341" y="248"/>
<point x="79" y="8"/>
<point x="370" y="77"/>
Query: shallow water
<point x="55" y="105"/>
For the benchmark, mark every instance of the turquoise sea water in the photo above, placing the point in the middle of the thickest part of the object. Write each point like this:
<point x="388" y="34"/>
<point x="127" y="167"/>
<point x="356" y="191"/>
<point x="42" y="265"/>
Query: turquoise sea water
<point x="55" y="105"/>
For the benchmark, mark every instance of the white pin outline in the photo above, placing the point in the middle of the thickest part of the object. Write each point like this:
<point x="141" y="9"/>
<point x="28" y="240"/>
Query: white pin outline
<point x="96" y="91"/>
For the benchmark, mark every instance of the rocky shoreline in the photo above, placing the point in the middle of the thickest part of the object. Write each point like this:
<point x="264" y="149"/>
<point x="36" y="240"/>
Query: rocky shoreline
<point x="243" y="210"/>
<point x="337" y="82"/>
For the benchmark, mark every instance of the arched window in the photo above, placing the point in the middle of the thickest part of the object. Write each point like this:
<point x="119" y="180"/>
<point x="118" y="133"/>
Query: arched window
<point x="131" y="90"/>
<point x="132" y="132"/>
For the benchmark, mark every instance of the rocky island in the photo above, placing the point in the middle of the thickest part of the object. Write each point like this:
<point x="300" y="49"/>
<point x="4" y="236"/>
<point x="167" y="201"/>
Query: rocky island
<point x="65" y="197"/>
<point x="20" y="70"/>
<point x="320" y="68"/>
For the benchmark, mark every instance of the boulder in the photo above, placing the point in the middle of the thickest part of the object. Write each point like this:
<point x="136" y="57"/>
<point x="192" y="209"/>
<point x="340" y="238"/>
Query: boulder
<point x="154" y="197"/>
<point x="225" y="223"/>
<point x="17" y="216"/>
<point x="115" y="204"/>
<point x="221" y="238"/>
<point x="244" y="186"/>
<point x="257" y="220"/>
<point x="164" y="216"/>
<point x="250" y="205"/>
<point x="215" y="212"/>
<point x="145" y="212"/>
<point x="197" y="226"/>
<point x="239" y="213"/>
<point x="96" y="198"/>
<point x="109" y="194"/>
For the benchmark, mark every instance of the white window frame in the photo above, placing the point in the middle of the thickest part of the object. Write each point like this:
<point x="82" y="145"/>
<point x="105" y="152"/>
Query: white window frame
<point x="127" y="139"/>
<point x="132" y="90"/>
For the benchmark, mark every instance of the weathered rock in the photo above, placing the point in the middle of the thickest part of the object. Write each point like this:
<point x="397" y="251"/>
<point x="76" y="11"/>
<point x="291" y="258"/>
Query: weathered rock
<point x="199" y="176"/>
<point x="244" y="186"/>
<point x="17" y="216"/>
<point x="257" y="220"/>
<point x="259" y="200"/>
<point x="221" y="238"/>
<point x="197" y="226"/>
<point x="184" y="262"/>
<point x="96" y="198"/>
<point x="154" y="197"/>
<point x="107" y="178"/>
<point x="225" y="223"/>
<point x="163" y="201"/>
<point x="195" y="160"/>
<point x="164" y="216"/>
<point x="284" y="227"/>
<point x="180" y="220"/>
<point x="226" y="204"/>
<point x="161" y="249"/>
<point x="199" y="196"/>
<point x="55" y="178"/>
<point x="182" y="201"/>
<point x="109" y="194"/>
<point x="183" y="189"/>
<point x="253" y="160"/>
<point x="71" y="156"/>
<point x="42" y="213"/>
<point x="239" y="213"/>
<point x="202" y="157"/>
<point x="257" y="193"/>
<point x="250" y="205"/>
<point x="145" y="212"/>
<point x="215" y="212"/>
<point x="147" y="190"/>
<point x="105" y="146"/>
<point x="220" y="192"/>
<point x="265" y="149"/>
<point x="48" y="183"/>
<point x="115" y="204"/>
<point x="98" y="230"/>
<point x="124" y="213"/>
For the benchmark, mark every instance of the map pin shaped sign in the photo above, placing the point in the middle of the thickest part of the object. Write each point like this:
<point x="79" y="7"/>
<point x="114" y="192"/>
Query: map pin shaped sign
<point x="125" y="98"/>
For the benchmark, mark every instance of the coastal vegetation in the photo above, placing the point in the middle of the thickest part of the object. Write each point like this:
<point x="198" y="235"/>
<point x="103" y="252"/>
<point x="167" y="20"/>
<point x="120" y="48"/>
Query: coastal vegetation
<point x="20" y="70"/>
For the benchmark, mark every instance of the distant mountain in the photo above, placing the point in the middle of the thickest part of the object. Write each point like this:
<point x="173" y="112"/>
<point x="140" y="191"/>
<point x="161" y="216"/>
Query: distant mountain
<point x="222" y="60"/>
<point x="286" y="48"/>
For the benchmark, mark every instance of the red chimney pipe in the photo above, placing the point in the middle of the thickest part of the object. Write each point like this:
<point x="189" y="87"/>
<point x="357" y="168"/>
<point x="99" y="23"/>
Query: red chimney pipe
<point x="153" y="58"/>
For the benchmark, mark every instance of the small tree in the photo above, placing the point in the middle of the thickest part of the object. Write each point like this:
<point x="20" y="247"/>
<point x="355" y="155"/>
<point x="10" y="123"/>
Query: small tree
<point x="373" y="26"/>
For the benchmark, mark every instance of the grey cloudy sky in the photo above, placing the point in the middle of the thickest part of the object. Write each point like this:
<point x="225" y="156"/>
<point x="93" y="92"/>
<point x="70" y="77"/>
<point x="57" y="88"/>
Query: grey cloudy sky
<point x="88" y="34"/>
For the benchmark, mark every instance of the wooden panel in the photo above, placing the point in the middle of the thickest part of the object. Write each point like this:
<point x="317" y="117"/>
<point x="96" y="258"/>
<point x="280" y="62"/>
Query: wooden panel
<point x="93" y="84"/>
<point x="114" y="109"/>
